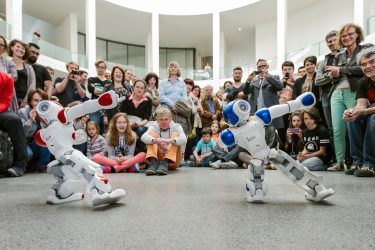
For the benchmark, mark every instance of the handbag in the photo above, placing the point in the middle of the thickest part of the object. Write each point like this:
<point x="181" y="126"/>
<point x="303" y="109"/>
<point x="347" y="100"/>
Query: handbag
<point x="183" y="108"/>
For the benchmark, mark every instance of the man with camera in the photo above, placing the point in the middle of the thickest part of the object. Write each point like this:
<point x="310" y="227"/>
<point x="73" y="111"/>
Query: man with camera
<point x="263" y="88"/>
<point x="72" y="86"/>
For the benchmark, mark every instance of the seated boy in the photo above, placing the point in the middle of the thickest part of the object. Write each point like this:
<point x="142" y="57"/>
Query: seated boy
<point x="202" y="154"/>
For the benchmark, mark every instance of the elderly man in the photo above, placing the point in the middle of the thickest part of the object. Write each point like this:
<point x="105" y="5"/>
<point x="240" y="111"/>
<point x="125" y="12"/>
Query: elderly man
<point x="164" y="140"/>
<point x="362" y="119"/>
<point x="211" y="107"/>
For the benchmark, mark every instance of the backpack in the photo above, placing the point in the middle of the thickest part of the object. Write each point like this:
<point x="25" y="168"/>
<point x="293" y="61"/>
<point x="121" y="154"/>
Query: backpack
<point x="6" y="153"/>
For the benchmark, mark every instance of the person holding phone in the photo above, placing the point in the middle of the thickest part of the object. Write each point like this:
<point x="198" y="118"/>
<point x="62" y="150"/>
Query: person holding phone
<point x="293" y="144"/>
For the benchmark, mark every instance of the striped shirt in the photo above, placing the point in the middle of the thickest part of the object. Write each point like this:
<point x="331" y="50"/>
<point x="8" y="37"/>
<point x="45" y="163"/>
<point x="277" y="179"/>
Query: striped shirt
<point x="96" y="145"/>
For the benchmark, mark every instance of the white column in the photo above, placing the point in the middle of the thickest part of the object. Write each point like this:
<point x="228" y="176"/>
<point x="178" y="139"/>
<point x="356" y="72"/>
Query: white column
<point x="91" y="36"/>
<point x="149" y="53"/>
<point x="216" y="46"/>
<point x="281" y="32"/>
<point x="359" y="12"/>
<point x="155" y="42"/>
<point x="14" y="18"/>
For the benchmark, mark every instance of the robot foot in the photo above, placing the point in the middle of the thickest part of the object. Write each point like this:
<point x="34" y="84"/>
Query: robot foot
<point x="107" y="198"/>
<point x="53" y="199"/>
<point x="321" y="194"/>
<point x="257" y="198"/>
<point x="255" y="195"/>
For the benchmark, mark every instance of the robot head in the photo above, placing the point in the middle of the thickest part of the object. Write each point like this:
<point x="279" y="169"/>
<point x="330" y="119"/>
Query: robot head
<point x="236" y="112"/>
<point x="47" y="111"/>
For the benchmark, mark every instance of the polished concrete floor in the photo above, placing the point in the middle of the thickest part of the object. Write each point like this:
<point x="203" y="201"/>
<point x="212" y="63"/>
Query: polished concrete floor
<point x="190" y="209"/>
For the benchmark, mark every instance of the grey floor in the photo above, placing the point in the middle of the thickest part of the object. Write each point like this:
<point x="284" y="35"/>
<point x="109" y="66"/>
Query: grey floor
<point x="190" y="209"/>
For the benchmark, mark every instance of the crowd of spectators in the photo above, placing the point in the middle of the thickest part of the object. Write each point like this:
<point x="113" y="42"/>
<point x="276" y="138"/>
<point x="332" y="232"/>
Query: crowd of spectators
<point x="166" y="123"/>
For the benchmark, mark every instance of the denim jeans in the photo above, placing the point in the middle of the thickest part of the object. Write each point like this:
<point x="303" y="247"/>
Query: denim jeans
<point x="341" y="100"/>
<point x="97" y="117"/>
<point x="362" y="140"/>
<point x="41" y="153"/>
<point x="205" y="162"/>
<point x="314" y="164"/>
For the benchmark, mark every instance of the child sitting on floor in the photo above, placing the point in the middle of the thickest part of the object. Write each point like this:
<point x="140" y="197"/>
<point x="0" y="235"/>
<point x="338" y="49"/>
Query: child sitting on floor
<point x="204" y="147"/>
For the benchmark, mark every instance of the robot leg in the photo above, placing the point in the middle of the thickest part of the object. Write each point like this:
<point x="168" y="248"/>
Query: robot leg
<point x="302" y="177"/>
<point x="98" y="187"/>
<point x="256" y="185"/>
<point x="68" y="186"/>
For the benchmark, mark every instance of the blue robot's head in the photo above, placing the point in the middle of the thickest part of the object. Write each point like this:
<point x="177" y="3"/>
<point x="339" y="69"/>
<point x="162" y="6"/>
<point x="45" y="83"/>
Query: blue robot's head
<point x="236" y="111"/>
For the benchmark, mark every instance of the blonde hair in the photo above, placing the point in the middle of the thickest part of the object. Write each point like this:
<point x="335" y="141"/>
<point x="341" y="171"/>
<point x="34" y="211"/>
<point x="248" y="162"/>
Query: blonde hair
<point x="162" y="111"/>
<point x="347" y="26"/>
<point x="93" y="123"/>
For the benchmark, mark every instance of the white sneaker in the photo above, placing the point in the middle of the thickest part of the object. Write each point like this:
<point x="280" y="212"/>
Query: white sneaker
<point x="337" y="167"/>
<point x="228" y="165"/>
<point x="216" y="164"/>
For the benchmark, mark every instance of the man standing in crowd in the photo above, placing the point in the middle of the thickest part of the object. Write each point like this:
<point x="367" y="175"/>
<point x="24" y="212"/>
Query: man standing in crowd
<point x="211" y="107"/>
<point x="11" y="123"/>
<point x="362" y="119"/>
<point x="323" y="78"/>
<point x="301" y="71"/>
<point x="285" y="95"/>
<point x="235" y="91"/>
<point x="265" y="88"/>
<point x="69" y="88"/>
<point x="95" y="87"/>
<point x="43" y="78"/>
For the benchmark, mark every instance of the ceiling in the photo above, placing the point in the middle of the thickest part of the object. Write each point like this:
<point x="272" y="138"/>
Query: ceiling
<point x="131" y="26"/>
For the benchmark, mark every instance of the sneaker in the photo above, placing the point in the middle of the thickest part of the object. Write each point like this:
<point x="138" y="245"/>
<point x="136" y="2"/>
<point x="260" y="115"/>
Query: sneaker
<point x="16" y="171"/>
<point x="215" y="164"/>
<point x="337" y="167"/>
<point x="365" y="172"/>
<point x="152" y="170"/>
<point x="352" y="169"/>
<point x="228" y="165"/>
<point x="184" y="164"/>
<point x="191" y="164"/>
<point x="162" y="170"/>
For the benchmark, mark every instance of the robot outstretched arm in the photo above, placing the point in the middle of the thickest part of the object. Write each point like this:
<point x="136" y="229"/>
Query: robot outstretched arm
<point x="304" y="101"/>
<point x="107" y="100"/>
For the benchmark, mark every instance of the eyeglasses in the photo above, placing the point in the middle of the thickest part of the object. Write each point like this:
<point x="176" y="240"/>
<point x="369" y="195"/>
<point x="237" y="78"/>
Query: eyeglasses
<point x="101" y="67"/>
<point x="262" y="66"/>
<point x="348" y="34"/>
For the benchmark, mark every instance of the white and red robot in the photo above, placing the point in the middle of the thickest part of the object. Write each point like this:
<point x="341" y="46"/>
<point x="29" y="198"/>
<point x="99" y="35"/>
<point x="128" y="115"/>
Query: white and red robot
<point x="251" y="136"/>
<point x="72" y="168"/>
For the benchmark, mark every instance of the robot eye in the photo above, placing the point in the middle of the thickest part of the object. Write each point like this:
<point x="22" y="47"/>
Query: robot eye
<point x="243" y="106"/>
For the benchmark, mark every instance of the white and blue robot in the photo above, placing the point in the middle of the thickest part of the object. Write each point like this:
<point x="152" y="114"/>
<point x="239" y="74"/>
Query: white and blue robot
<point x="251" y="136"/>
<point x="72" y="168"/>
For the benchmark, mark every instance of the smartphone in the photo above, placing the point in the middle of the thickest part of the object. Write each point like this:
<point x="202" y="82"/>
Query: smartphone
<point x="257" y="72"/>
<point x="294" y="130"/>
<point x="287" y="75"/>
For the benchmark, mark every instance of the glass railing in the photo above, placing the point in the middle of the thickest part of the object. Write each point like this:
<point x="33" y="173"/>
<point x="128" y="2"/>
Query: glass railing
<point x="56" y="52"/>
<point x="140" y="72"/>
<point x="316" y="49"/>
<point x="5" y="29"/>
<point x="371" y="25"/>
